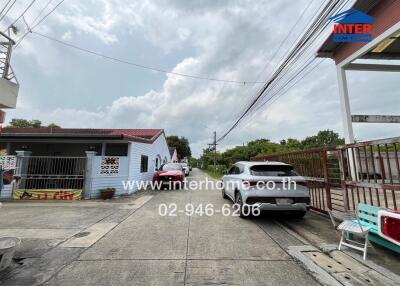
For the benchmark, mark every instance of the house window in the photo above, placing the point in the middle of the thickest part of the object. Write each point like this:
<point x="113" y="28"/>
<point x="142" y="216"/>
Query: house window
<point x="144" y="164"/>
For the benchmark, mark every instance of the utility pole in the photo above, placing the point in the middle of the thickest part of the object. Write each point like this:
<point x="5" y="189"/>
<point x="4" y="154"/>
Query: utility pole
<point x="214" y="147"/>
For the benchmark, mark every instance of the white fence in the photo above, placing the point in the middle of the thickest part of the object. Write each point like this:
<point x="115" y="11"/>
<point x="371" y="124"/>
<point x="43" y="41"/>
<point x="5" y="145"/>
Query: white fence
<point x="101" y="172"/>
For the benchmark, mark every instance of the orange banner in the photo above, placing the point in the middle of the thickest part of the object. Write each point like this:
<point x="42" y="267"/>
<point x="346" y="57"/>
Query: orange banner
<point x="64" y="194"/>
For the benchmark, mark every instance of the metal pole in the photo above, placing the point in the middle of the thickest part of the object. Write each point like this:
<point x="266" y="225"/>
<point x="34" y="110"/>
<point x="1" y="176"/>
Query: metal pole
<point x="215" y="151"/>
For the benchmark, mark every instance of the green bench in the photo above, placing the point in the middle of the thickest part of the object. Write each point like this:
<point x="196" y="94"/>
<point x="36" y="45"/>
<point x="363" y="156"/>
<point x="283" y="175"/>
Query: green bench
<point x="368" y="216"/>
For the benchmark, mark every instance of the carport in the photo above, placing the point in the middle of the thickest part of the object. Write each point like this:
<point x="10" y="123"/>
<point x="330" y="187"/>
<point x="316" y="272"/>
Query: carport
<point x="367" y="56"/>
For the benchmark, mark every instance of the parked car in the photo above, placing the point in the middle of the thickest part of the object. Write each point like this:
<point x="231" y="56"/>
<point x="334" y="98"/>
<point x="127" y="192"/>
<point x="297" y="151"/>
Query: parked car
<point x="186" y="169"/>
<point x="169" y="174"/>
<point x="261" y="184"/>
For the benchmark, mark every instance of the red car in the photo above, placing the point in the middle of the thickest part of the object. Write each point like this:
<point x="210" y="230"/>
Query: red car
<point x="169" y="175"/>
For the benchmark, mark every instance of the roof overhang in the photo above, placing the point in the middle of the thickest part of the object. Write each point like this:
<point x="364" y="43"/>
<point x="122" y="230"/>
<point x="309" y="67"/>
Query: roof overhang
<point x="387" y="49"/>
<point x="77" y="137"/>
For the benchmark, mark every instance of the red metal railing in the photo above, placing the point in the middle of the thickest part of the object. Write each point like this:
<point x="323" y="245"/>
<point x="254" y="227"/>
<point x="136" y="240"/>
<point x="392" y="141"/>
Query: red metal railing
<point x="341" y="177"/>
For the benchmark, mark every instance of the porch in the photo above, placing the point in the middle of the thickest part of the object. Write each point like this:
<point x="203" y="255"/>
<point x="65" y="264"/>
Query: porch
<point x="62" y="178"/>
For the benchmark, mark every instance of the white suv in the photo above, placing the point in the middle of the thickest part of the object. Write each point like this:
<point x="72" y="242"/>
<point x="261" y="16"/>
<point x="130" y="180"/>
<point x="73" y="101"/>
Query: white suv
<point x="266" y="186"/>
<point x="185" y="167"/>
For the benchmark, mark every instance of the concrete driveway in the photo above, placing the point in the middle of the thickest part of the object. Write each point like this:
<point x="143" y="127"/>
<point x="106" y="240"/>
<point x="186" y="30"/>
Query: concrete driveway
<point x="129" y="243"/>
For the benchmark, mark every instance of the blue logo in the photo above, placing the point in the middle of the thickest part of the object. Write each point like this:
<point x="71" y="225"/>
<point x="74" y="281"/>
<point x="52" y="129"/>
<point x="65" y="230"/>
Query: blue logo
<point x="352" y="26"/>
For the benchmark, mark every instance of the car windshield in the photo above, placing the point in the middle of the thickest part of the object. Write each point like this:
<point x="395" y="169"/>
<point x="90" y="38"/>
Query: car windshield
<point x="273" y="170"/>
<point x="171" y="167"/>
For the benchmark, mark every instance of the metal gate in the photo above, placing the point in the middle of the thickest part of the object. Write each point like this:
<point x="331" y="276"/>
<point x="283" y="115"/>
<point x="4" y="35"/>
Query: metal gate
<point x="62" y="177"/>
<point x="341" y="177"/>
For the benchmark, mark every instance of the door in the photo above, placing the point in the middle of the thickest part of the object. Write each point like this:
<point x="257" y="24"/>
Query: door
<point x="229" y="180"/>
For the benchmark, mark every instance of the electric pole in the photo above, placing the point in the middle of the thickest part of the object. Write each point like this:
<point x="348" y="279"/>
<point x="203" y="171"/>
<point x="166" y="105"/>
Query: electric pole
<point x="214" y="147"/>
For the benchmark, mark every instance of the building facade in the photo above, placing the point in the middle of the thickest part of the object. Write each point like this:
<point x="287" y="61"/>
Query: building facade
<point x="78" y="163"/>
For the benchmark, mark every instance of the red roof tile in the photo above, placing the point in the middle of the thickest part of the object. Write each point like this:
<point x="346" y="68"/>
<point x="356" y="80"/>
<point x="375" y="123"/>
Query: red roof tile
<point x="128" y="134"/>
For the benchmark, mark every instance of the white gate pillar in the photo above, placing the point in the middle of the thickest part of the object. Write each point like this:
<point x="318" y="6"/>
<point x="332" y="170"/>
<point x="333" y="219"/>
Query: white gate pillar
<point x="89" y="171"/>
<point x="21" y="169"/>
<point x="345" y="106"/>
<point x="346" y="118"/>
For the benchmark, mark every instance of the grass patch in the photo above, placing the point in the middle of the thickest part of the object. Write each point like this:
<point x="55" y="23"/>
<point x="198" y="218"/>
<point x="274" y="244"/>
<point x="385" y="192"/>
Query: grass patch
<point x="214" y="175"/>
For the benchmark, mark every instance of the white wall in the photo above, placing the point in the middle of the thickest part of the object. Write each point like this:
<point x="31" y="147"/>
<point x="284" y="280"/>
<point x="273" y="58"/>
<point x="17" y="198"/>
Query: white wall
<point x="136" y="150"/>
<point x="9" y="93"/>
<point x="6" y="192"/>
<point x="100" y="181"/>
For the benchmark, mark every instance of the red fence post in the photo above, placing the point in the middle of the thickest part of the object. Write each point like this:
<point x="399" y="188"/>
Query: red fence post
<point x="343" y="177"/>
<point x="326" y="178"/>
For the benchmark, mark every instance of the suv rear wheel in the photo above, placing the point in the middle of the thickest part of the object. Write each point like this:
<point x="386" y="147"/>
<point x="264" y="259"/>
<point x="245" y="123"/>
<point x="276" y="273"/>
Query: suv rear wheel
<point x="224" y="194"/>
<point x="243" y="210"/>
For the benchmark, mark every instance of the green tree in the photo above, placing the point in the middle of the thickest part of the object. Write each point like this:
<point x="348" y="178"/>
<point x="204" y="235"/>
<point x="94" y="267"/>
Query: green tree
<point x="181" y="144"/>
<point x="36" y="123"/>
<point x="266" y="147"/>
<point x="53" y="125"/>
<point x="324" y="138"/>
<point x="23" y="123"/>
<point x="293" y="144"/>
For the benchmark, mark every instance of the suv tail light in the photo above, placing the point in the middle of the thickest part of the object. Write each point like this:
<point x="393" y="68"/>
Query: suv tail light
<point x="249" y="183"/>
<point x="390" y="227"/>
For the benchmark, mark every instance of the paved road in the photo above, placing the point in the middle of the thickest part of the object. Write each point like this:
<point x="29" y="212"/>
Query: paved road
<point x="145" y="248"/>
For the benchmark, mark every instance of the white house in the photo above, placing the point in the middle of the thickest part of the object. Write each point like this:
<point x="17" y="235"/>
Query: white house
<point x="75" y="163"/>
<point x="174" y="154"/>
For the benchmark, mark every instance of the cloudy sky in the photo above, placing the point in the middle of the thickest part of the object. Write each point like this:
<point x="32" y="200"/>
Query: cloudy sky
<point x="225" y="39"/>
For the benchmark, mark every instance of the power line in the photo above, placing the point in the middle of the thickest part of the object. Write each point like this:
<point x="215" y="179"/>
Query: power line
<point x="8" y="10"/>
<point x="48" y="14"/>
<point x="285" y="39"/>
<point x="329" y="9"/>
<point x="285" y="91"/>
<point x="5" y="6"/>
<point x="287" y="66"/>
<point x="41" y="11"/>
<point x="122" y="61"/>
<point x="20" y="16"/>
<point x="33" y="25"/>
<point x="302" y="45"/>
<point x="310" y="59"/>
<point x="281" y="92"/>
<point x="289" y="33"/>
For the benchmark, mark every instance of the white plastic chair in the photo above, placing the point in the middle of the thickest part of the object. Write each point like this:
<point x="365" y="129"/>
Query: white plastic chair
<point x="349" y="227"/>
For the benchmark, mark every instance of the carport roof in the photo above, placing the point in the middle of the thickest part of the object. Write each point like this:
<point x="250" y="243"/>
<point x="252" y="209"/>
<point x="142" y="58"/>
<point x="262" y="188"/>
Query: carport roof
<point x="391" y="49"/>
<point x="136" y="135"/>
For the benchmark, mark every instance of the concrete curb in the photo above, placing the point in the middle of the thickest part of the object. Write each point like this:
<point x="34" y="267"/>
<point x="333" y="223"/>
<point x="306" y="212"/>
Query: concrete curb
<point x="328" y="248"/>
<point x="317" y="272"/>
<point x="374" y="266"/>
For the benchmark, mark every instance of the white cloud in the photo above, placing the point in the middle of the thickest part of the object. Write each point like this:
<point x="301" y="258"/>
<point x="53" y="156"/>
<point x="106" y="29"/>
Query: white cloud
<point x="67" y="36"/>
<point x="226" y="39"/>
